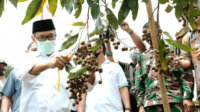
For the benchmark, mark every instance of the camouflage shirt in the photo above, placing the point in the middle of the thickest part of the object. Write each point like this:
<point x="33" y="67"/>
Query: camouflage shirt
<point x="179" y="83"/>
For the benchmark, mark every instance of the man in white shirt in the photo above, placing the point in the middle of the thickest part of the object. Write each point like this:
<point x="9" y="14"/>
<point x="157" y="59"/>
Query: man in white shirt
<point x="39" y="74"/>
<point x="108" y="96"/>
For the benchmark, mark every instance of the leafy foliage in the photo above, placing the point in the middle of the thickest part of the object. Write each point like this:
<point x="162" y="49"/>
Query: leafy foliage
<point x="114" y="3"/>
<point x="98" y="44"/>
<point x="1" y="7"/>
<point x="168" y="35"/>
<point x="69" y="5"/>
<point x="162" y="54"/>
<point x="31" y="11"/>
<point x="69" y="42"/>
<point x="78" y="8"/>
<point x="78" y="24"/>
<point x="112" y="19"/>
<point x="163" y="1"/>
<point x="14" y="2"/>
<point x="179" y="45"/>
<point x="169" y="9"/>
<point x="52" y="6"/>
<point x="123" y="11"/>
<point x="95" y="10"/>
<point x="21" y="1"/>
<point x="98" y="24"/>
<point x="62" y="3"/>
<point x="79" y="72"/>
<point x="133" y="5"/>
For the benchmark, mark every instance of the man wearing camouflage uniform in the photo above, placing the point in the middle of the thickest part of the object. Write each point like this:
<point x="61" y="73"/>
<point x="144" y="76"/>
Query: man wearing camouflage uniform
<point x="179" y="84"/>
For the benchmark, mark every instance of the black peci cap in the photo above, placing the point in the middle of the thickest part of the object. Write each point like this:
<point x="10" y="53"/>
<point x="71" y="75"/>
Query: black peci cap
<point x="43" y="25"/>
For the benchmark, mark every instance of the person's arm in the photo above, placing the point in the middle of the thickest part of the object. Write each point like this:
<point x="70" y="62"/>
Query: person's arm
<point x="8" y="92"/>
<point x="183" y="63"/>
<point x="6" y="103"/>
<point x="81" y="105"/>
<point x="187" y="83"/>
<point x="125" y="98"/>
<point x="136" y="39"/>
<point x="139" y="85"/>
<point x="59" y="61"/>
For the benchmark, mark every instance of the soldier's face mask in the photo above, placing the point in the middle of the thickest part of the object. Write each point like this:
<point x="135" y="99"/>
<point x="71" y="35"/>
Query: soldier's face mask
<point x="2" y="71"/>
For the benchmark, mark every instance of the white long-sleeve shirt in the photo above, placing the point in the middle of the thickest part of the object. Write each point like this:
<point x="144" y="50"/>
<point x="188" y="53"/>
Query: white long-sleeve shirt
<point x="39" y="93"/>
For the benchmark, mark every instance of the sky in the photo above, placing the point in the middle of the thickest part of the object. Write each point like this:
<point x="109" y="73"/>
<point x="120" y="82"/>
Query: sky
<point x="15" y="37"/>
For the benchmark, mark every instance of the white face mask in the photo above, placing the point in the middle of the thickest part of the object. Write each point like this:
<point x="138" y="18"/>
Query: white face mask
<point x="46" y="47"/>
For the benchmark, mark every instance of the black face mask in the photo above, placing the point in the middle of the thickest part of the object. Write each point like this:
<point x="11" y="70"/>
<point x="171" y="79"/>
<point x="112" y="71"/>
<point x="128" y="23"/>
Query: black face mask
<point x="2" y="71"/>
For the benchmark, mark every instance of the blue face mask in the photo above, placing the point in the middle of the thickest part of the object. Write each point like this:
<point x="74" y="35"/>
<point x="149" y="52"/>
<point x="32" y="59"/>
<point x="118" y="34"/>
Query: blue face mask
<point x="46" y="47"/>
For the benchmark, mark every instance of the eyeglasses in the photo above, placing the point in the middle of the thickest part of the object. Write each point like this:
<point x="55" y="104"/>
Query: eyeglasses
<point x="51" y="36"/>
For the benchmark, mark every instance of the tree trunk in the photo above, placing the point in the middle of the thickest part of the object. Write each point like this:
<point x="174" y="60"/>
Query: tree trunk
<point x="154" y="35"/>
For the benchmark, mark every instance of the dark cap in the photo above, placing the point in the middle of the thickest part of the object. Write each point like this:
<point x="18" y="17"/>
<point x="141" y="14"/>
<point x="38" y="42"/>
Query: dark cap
<point x="3" y="62"/>
<point x="43" y="25"/>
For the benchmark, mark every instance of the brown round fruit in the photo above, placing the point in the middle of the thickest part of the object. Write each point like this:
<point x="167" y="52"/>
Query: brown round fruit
<point x="118" y="42"/>
<point x="83" y="43"/>
<point x="112" y="39"/>
<point x="106" y="40"/>
<point x="100" y="70"/>
<point x="100" y="82"/>
<point x="116" y="47"/>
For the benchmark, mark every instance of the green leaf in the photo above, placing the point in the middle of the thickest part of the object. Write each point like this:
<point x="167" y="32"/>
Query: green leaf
<point x="178" y="10"/>
<point x="21" y="1"/>
<point x="180" y="45"/>
<point x="67" y="35"/>
<point x="169" y="9"/>
<point x="112" y="19"/>
<point x="69" y="5"/>
<point x="78" y="8"/>
<point x="123" y="11"/>
<point x="69" y="42"/>
<point x="68" y="67"/>
<point x="14" y="2"/>
<point x="62" y="3"/>
<point x="168" y="35"/>
<point x="95" y="10"/>
<point x="146" y="1"/>
<point x="79" y="72"/>
<point x="162" y="54"/>
<point x="98" y="24"/>
<point x="198" y="4"/>
<point x="52" y="6"/>
<point x="95" y="32"/>
<point x="1" y="7"/>
<point x="133" y="5"/>
<point x="90" y="2"/>
<point x="114" y="3"/>
<point x="101" y="14"/>
<point x="192" y="22"/>
<point x="98" y="44"/>
<point x="32" y="10"/>
<point x="78" y="24"/>
<point x="163" y="1"/>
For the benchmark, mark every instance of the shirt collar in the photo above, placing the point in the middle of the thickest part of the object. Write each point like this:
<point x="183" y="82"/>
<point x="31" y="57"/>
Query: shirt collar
<point x="43" y="55"/>
<point x="105" y="62"/>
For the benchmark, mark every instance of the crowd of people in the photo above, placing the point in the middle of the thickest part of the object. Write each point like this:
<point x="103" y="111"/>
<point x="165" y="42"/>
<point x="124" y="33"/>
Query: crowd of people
<point x="127" y="87"/>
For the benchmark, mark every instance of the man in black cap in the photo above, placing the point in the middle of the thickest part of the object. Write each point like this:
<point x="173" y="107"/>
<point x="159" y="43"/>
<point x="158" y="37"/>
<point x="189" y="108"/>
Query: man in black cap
<point x="3" y="67"/>
<point x="42" y="89"/>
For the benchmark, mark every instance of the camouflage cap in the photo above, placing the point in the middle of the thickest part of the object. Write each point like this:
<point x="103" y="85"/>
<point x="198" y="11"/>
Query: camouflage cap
<point x="3" y="62"/>
<point x="182" y="32"/>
